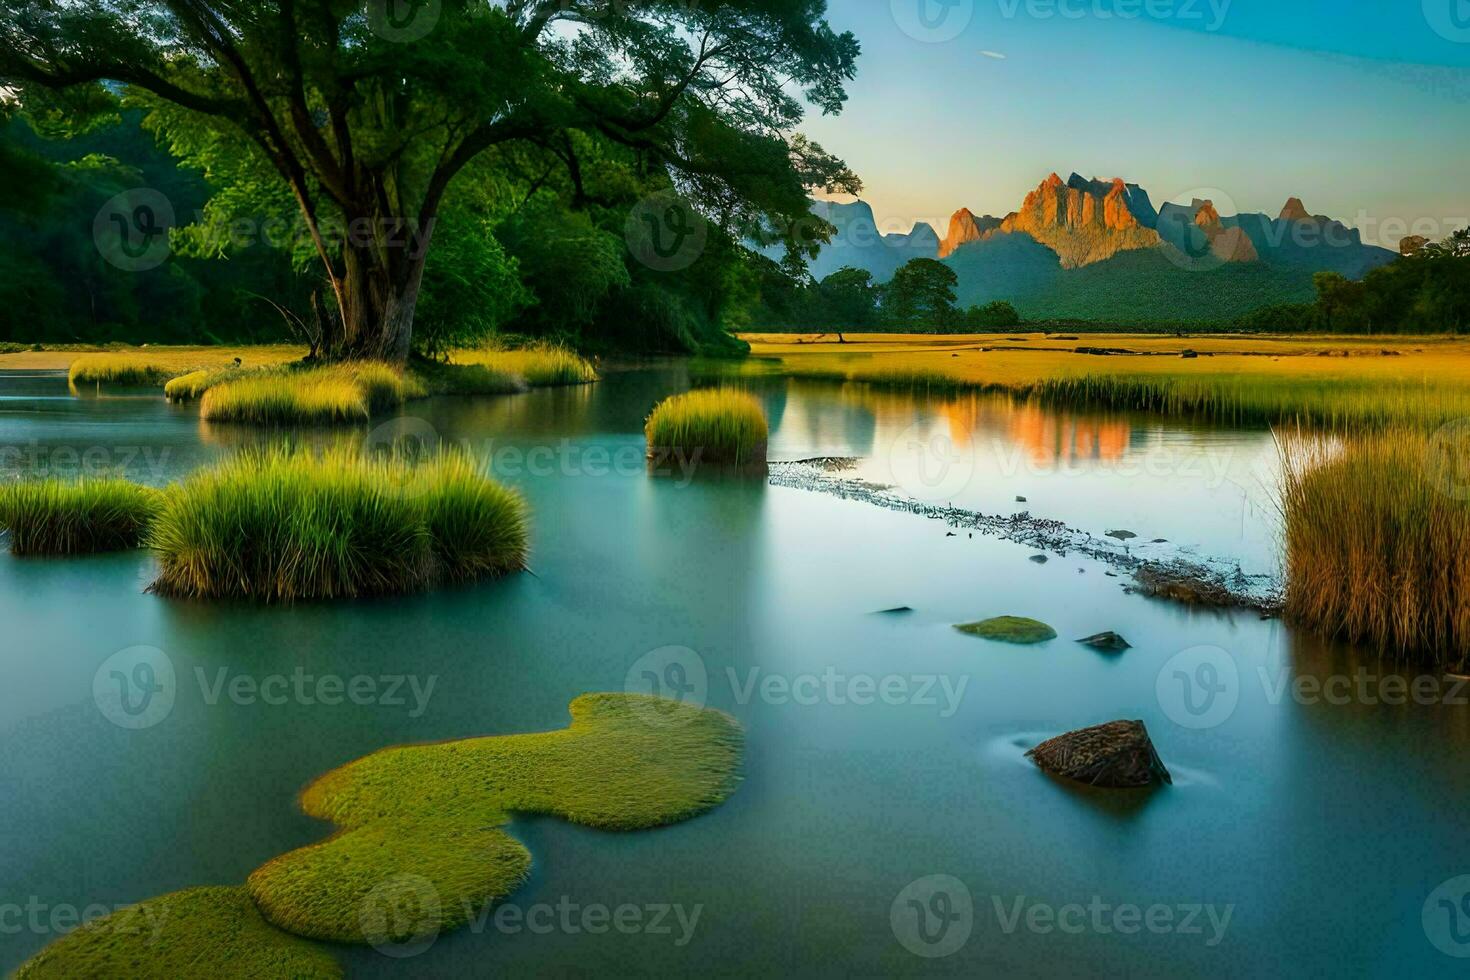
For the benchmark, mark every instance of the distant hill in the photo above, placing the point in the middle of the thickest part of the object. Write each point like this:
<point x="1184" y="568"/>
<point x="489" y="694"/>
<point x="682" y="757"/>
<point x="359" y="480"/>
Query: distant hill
<point x="859" y="243"/>
<point x="1098" y="250"/>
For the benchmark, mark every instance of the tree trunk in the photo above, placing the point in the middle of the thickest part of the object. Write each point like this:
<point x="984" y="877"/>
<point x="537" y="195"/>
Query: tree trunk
<point x="379" y="285"/>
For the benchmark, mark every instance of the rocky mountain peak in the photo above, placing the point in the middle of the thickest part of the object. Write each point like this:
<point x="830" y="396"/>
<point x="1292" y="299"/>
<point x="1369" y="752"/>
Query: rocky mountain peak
<point x="1295" y="210"/>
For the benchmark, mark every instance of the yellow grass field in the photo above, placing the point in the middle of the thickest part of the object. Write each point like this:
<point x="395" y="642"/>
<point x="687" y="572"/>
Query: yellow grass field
<point x="180" y="360"/>
<point x="1338" y="381"/>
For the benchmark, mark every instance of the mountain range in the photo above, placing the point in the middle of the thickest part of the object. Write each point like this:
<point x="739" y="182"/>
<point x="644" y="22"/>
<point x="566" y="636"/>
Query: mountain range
<point x="1099" y="250"/>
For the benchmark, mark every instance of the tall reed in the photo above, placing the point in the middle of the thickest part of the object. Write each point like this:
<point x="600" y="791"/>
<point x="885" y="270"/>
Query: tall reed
<point x="1377" y="529"/>
<point x="71" y="517"/>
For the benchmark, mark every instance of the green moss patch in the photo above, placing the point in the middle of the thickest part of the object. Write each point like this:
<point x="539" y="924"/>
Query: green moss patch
<point x="202" y="932"/>
<point x="433" y="812"/>
<point x="1010" y="629"/>
<point x="71" y="517"/>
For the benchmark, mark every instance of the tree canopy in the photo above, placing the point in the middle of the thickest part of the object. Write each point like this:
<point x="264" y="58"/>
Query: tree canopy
<point x="363" y="120"/>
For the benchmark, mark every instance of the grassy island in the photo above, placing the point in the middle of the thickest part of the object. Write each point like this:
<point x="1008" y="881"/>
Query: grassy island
<point x="720" y="425"/>
<point x="280" y="525"/>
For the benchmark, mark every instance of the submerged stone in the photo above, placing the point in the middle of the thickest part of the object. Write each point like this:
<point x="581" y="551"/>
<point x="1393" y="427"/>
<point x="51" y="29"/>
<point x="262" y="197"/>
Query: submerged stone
<point x="1118" y="755"/>
<point x="895" y="611"/>
<point x="1010" y="629"/>
<point x="1106" y="641"/>
<point x="1040" y="559"/>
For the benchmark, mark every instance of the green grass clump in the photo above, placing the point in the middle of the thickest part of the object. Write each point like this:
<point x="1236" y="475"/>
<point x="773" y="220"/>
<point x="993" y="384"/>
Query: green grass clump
<point x="126" y="370"/>
<point x="467" y="379"/>
<point x="627" y="762"/>
<point x="202" y="932"/>
<point x="542" y="367"/>
<point x="73" y="517"/>
<point x="327" y="395"/>
<point x="718" y="425"/>
<point x="1377" y="533"/>
<point x="192" y="386"/>
<point x="1010" y="629"/>
<point x="282" y="525"/>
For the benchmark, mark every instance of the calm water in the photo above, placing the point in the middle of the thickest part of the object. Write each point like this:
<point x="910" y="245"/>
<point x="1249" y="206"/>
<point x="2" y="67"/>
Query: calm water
<point x="1320" y="824"/>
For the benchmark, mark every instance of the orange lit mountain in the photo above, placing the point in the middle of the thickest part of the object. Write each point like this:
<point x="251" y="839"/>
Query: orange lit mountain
<point x="965" y="228"/>
<point x="1097" y="249"/>
<point x="1085" y="221"/>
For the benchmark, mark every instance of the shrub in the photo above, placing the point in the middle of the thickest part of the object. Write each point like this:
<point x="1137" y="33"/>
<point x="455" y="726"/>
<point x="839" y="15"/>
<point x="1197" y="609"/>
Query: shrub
<point x="719" y="425"/>
<point x="62" y="517"/>
<point x="284" y="524"/>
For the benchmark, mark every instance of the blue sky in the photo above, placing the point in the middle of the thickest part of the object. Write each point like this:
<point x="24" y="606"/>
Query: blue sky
<point x="1360" y="108"/>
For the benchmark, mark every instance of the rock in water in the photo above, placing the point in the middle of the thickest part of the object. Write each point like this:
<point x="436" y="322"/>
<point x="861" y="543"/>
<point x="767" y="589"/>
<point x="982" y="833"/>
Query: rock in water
<point x="1010" y="629"/>
<point x="1107" y="641"/>
<point x="1118" y="755"/>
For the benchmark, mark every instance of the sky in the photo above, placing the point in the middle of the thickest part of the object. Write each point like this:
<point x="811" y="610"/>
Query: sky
<point x="1359" y="107"/>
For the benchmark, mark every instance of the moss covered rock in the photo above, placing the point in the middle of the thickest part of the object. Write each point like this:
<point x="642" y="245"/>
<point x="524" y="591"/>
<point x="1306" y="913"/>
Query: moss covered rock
<point x="1010" y="629"/>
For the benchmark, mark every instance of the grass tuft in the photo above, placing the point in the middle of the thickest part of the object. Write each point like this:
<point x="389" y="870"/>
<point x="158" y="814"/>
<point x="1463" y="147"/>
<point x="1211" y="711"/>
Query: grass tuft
<point x="119" y="369"/>
<point x="73" y="517"/>
<point x="627" y="762"/>
<point x="717" y="425"/>
<point x="285" y="525"/>
<point x="542" y="367"/>
<point x="202" y="932"/>
<point x="328" y="395"/>
<point x="1378" y="541"/>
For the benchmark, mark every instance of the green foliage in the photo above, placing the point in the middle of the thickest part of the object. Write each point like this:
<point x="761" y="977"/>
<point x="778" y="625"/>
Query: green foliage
<point x="72" y="517"/>
<point x="720" y="425"/>
<point x="367" y="131"/>
<point x="627" y="762"/>
<point x="281" y="525"/>
<point x="921" y="296"/>
<point x="1427" y="292"/>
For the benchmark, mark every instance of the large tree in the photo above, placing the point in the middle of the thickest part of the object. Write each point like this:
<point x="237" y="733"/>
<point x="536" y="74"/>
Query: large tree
<point x="366" y="114"/>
